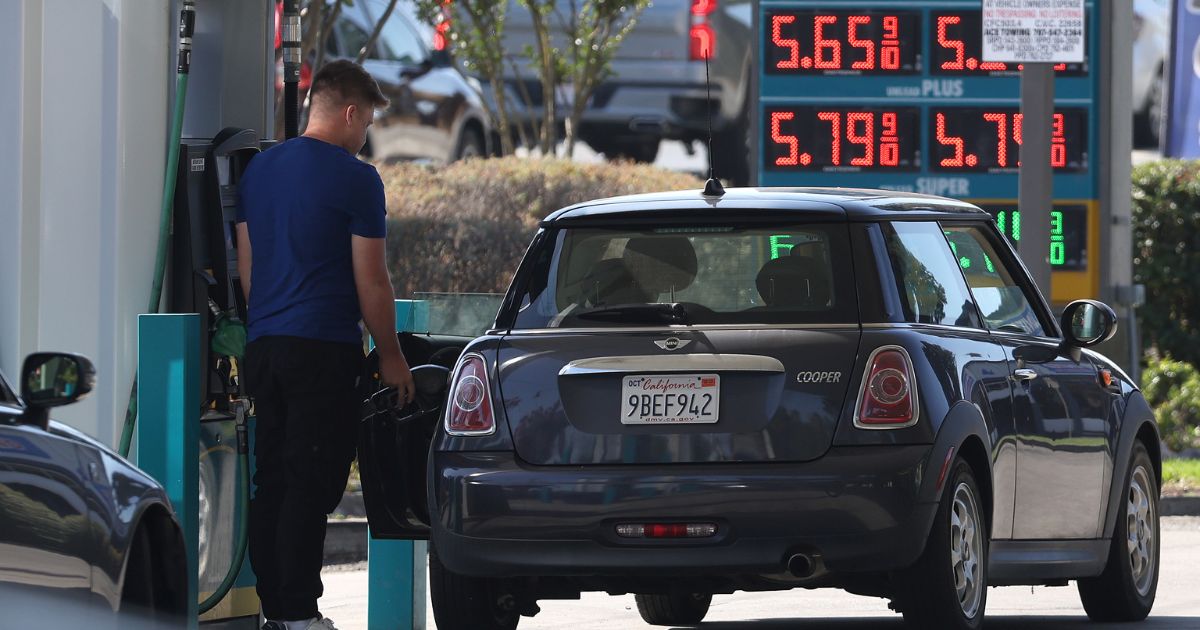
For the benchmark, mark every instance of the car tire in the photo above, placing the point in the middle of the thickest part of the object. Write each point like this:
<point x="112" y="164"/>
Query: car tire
<point x="947" y="587"/>
<point x="470" y="145"/>
<point x="676" y="609"/>
<point x="1126" y="589"/>
<point x="463" y="602"/>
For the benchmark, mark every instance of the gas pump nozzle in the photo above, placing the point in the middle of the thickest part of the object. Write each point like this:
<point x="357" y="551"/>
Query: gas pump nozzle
<point x="430" y="381"/>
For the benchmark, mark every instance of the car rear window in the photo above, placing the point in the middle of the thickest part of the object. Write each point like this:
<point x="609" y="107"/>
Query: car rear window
<point x="686" y="275"/>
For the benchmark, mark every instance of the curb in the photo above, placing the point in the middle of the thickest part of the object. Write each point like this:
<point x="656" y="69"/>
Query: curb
<point x="346" y="539"/>
<point x="1179" y="506"/>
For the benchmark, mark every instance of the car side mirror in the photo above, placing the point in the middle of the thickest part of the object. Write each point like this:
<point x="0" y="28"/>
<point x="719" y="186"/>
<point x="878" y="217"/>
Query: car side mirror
<point x="54" y="379"/>
<point x="1087" y="323"/>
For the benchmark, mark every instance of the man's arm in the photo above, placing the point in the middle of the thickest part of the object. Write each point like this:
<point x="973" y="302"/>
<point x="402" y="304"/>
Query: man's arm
<point x="377" y="303"/>
<point x="243" y="248"/>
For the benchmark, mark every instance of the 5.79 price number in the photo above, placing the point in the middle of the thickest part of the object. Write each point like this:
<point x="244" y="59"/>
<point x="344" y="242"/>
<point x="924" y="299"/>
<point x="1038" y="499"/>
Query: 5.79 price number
<point x="841" y="139"/>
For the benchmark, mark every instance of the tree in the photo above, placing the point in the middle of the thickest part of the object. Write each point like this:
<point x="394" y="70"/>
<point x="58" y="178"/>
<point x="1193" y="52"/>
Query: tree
<point x="1166" y="256"/>
<point x="594" y="30"/>
<point x="548" y="63"/>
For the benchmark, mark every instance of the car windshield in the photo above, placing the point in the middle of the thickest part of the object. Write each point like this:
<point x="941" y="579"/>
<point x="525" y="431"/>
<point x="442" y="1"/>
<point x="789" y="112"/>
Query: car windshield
<point x="689" y="275"/>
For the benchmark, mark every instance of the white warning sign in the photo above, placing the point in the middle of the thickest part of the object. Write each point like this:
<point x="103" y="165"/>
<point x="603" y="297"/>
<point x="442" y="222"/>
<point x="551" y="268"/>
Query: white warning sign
<point x="1033" y="31"/>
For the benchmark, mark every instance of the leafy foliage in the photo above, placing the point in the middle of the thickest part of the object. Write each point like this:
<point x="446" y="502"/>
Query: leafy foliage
<point x="1166" y="249"/>
<point x="1173" y="389"/>
<point x="464" y="227"/>
<point x="594" y="31"/>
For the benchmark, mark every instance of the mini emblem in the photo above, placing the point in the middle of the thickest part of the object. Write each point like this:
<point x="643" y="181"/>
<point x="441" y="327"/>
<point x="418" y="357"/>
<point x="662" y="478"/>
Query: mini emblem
<point x="671" y="343"/>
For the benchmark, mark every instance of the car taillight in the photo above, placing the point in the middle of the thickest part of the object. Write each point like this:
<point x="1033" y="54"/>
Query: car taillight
<point x="888" y="396"/>
<point x="702" y="38"/>
<point x="470" y="406"/>
<point x="703" y="7"/>
<point x="439" y="35"/>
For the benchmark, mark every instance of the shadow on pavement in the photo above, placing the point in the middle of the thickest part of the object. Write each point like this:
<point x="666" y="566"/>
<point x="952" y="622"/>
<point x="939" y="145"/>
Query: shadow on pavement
<point x="993" y="623"/>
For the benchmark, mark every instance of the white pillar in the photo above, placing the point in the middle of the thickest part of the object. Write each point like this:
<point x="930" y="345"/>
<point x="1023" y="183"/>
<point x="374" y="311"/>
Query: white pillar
<point x="89" y="154"/>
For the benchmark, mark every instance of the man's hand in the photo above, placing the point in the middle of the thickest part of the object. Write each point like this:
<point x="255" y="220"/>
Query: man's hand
<point x="379" y="312"/>
<point x="394" y="372"/>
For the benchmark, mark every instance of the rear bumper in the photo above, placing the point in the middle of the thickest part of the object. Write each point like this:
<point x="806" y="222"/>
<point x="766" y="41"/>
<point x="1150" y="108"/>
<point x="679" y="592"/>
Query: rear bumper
<point x="856" y="507"/>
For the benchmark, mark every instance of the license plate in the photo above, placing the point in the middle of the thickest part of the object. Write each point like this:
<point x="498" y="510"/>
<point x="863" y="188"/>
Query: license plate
<point x="670" y="399"/>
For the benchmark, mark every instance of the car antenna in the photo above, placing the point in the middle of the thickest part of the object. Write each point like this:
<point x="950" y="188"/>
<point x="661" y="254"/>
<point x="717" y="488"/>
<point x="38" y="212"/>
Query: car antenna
<point x="713" y="187"/>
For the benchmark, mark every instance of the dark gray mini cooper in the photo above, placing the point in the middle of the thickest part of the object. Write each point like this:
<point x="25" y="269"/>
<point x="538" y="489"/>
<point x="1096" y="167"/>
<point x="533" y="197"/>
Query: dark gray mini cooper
<point x="685" y="395"/>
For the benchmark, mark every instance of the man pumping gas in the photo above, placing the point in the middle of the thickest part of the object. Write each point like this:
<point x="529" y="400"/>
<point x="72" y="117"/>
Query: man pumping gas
<point x="311" y="228"/>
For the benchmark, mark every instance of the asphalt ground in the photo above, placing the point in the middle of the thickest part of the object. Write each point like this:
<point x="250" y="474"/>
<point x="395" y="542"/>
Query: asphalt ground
<point x="1008" y="608"/>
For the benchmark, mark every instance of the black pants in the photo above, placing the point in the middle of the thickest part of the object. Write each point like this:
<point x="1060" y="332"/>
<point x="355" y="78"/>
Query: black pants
<point x="304" y="441"/>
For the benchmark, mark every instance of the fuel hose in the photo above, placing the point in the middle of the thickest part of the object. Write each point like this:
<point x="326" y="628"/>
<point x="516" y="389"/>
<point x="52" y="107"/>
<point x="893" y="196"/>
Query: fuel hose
<point x="290" y="46"/>
<point x="187" y="26"/>
<point x="243" y="518"/>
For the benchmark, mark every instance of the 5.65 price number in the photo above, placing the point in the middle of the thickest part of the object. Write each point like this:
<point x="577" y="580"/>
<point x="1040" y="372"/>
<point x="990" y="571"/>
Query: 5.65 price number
<point x="842" y="42"/>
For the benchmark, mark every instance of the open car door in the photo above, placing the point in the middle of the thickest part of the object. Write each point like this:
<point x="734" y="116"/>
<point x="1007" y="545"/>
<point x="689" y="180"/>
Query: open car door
<point x="393" y="444"/>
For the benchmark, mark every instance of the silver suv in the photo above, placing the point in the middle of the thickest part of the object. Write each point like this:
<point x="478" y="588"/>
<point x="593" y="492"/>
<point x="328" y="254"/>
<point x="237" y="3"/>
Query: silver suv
<point x="658" y="88"/>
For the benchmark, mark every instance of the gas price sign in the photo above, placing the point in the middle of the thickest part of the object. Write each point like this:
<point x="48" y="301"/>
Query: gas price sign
<point x="895" y="94"/>
<point x="838" y="42"/>
<point x="839" y="138"/>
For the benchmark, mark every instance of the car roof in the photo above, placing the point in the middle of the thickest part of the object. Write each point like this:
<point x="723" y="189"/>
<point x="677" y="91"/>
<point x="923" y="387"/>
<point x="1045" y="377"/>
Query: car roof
<point x="822" y="204"/>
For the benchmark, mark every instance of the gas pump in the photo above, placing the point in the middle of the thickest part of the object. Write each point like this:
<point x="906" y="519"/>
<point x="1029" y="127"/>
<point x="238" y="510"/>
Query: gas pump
<point x="228" y="109"/>
<point x="204" y="280"/>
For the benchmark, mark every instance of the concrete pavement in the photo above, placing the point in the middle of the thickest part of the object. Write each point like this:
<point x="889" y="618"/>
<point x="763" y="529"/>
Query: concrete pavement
<point x="1009" y="608"/>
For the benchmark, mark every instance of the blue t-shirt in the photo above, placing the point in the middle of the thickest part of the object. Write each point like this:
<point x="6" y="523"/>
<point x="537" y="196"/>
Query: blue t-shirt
<point x="301" y="201"/>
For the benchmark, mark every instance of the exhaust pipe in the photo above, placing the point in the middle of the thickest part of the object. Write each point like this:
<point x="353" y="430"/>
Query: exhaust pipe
<point x="801" y="566"/>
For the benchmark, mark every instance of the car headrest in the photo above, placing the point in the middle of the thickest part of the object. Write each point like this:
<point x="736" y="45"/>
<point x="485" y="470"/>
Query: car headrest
<point x="661" y="264"/>
<point x="794" y="281"/>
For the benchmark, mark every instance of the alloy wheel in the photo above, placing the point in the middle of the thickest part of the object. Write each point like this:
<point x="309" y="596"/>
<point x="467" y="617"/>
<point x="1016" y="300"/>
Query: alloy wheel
<point x="1140" y="541"/>
<point x="966" y="550"/>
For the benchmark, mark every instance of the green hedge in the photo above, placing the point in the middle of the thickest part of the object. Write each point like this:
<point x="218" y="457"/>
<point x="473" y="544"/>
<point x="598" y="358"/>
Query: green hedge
<point x="1173" y="389"/>
<point x="464" y="227"/>
<point x="1166" y="237"/>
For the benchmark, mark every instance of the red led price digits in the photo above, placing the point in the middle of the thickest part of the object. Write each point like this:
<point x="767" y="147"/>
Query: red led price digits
<point x="889" y="144"/>
<point x="960" y="61"/>
<point x="836" y="42"/>
<point x="793" y="46"/>
<point x="865" y="138"/>
<point x="1008" y="128"/>
<point x="961" y="54"/>
<point x="835" y="143"/>
<point x="792" y="142"/>
<point x="868" y="46"/>
<point x="1058" y="142"/>
<point x="891" y="43"/>
<point x="960" y="158"/>
<point x="1001" y="122"/>
<point x="821" y="45"/>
